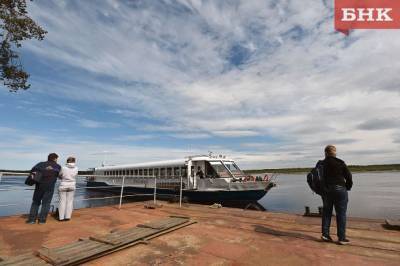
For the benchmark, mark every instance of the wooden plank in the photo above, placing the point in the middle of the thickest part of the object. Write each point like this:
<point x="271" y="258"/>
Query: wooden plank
<point x="169" y="230"/>
<point x="16" y="259"/>
<point x="105" y="253"/>
<point x="132" y="233"/>
<point x="149" y="226"/>
<point x="76" y="260"/>
<point x="105" y="239"/>
<point x="34" y="260"/>
<point x="68" y="258"/>
<point x="70" y="245"/>
<point x="135" y="236"/>
<point x="50" y="256"/>
<point x="160" y="222"/>
<point x="166" y="223"/>
<point x="78" y="246"/>
<point x="180" y="216"/>
<point x="121" y="233"/>
<point x="117" y="237"/>
<point x="83" y="249"/>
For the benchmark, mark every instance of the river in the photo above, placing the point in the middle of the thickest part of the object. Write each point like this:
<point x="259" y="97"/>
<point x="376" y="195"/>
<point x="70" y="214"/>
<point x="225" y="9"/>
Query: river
<point x="374" y="195"/>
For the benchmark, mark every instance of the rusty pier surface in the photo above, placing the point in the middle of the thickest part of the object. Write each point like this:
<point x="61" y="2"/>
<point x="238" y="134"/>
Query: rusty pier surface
<point x="221" y="236"/>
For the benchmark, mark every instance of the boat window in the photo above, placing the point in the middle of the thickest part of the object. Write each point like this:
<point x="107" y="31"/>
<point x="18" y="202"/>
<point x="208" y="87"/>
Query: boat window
<point x="120" y="172"/>
<point x="131" y="172"/>
<point x="169" y="172"/>
<point x="150" y="172"/>
<point x="136" y="172"/>
<point x="184" y="171"/>
<point x="145" y="172"/>
<point x="156" y="172"/>
<point x="162" y="172"/>
<point x="176" y="172"/>
<point x="220" y="169"/>
<point x="140" y="171"/>
<point x="234" y="169"/>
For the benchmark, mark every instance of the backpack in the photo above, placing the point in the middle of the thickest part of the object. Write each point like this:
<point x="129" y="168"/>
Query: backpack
<point x="315" y="179"/>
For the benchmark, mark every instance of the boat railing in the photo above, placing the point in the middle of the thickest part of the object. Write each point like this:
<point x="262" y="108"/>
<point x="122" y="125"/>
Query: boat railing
<point x="156" y="182"/>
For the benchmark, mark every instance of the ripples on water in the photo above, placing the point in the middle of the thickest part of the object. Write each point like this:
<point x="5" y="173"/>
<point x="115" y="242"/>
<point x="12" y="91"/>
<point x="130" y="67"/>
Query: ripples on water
<point x="15" y="193"/>
<point x="374" y="195"/>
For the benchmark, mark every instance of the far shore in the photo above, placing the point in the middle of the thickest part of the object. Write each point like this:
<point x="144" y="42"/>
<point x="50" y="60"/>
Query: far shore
<point x="353" y="168"/>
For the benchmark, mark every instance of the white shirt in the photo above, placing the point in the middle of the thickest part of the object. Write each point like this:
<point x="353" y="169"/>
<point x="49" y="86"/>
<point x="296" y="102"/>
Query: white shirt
<point x="68" y="175"/>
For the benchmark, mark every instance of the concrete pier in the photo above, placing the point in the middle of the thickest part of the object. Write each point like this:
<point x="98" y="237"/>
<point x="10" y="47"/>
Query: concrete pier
<point x="222" y="236"/>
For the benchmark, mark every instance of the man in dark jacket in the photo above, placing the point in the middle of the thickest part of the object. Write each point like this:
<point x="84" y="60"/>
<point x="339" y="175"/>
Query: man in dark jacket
<point x="338" y="181"/>
<point x="44" y="189"/>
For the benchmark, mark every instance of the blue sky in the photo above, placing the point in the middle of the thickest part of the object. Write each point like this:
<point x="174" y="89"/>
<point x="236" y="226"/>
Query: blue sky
<point x="268" y="83"/>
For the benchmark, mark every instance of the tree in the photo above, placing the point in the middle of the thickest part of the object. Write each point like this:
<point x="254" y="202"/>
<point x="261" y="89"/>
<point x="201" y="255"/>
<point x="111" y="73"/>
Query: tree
<point x="16" y="26"/>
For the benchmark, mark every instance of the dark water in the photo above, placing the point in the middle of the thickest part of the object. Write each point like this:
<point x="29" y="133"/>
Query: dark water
<point x="374" y="195"/>
<point x="18" y="196"/>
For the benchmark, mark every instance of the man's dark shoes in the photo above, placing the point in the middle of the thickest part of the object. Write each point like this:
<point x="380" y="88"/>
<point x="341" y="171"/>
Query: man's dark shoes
<point x="30" y="222"/>
<point x="343" y="241"/>
<point x="42" y="221"/>
<point x="327" y="238"/>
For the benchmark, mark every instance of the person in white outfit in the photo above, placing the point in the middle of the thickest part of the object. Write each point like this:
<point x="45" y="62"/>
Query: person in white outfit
<point x="66" y="189"/>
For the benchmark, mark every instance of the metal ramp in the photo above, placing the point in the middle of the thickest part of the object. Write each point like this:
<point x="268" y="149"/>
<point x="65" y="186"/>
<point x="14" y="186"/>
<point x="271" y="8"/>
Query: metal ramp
<point x="99" y="245"/>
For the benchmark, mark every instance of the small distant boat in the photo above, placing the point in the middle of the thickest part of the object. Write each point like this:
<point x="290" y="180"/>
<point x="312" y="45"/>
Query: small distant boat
<point x="204" y="178"/>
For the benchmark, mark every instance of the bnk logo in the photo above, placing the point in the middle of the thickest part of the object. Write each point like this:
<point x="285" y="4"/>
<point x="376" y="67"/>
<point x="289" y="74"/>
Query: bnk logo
<point x="367" y="14"/>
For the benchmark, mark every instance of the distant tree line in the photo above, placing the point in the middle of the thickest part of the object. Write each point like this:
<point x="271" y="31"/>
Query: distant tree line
<point x="353" y="168"/>
<point x="25" y="171"/>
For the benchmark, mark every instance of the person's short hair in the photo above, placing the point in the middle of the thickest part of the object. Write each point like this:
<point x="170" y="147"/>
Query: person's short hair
<point x="71" y="159"/>
<point x="330" y="150"/>
<point x="52" y="157"/>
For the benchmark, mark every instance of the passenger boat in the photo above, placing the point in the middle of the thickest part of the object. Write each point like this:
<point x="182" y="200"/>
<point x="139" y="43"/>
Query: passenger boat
<point x="203" y="178"/>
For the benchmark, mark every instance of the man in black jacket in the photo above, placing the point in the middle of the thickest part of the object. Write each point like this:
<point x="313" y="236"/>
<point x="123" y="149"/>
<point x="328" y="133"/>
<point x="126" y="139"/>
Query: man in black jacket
<point x="338" y="180"/>
<point x="44" y="189"/>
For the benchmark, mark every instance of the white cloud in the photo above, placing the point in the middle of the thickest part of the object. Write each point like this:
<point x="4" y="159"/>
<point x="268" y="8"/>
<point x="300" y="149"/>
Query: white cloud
<point x="301" y="83"/>
<point x="96" y="124"/>
<point x="190" y="135"/>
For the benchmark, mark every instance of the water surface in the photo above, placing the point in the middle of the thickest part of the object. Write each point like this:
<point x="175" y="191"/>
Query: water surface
<point x="374" y="195"/>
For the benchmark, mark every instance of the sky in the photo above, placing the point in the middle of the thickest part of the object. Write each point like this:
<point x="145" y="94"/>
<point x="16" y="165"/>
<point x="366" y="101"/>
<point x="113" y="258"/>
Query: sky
<point x="267" y="83"/>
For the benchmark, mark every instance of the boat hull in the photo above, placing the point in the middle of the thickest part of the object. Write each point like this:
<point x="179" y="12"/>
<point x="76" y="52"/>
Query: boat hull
<point x="196" y="196"/>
